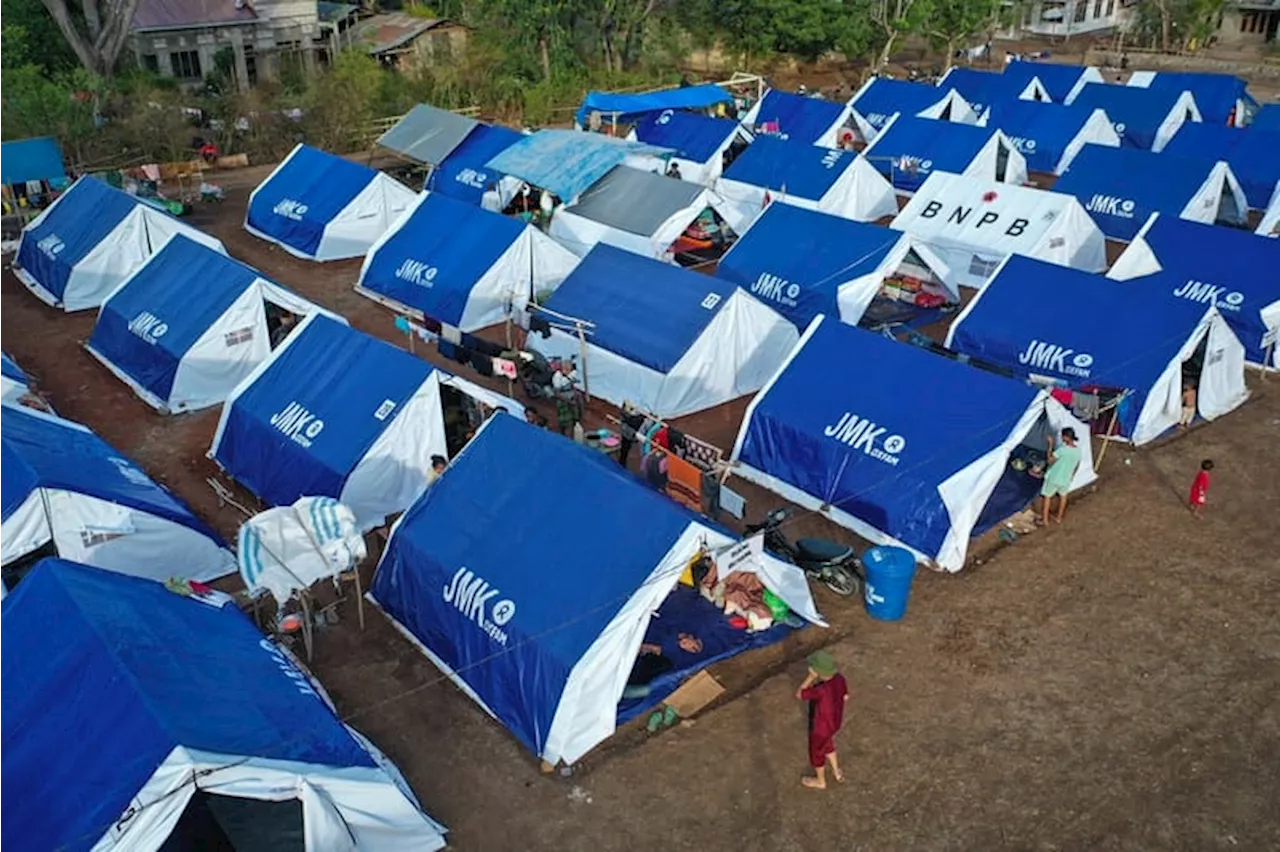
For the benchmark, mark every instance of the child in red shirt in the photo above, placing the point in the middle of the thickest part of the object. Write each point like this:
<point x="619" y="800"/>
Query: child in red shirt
<point x="1200" y="488"/>
<point x="826" y="691"/>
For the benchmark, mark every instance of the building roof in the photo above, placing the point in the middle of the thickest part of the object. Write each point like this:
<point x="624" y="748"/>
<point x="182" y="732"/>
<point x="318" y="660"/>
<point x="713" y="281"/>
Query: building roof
<point x="174" y="14"/>
<point x="388" y="32"/>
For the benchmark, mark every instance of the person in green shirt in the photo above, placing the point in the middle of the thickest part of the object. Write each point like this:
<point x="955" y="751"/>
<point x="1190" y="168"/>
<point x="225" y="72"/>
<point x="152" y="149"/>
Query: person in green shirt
<point x="1063" y="461"/>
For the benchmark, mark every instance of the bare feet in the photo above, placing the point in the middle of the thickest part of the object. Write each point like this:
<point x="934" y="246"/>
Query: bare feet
<point x="839" y="776"/>
<point x="813" y="783"/>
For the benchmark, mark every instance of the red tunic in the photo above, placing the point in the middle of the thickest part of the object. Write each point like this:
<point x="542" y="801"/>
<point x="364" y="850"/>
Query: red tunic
<point x="1200" y="488"/>
<point x="826" y="715"/>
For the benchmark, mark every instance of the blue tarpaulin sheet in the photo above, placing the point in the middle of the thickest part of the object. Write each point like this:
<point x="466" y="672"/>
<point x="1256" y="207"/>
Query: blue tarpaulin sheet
<point x="31" y="159"/>
<point x="786" y="165"/>
<point x="465" y="173"/>
<point x="567" y="162"/>
<point x="1252" y="153"/>
<point x="630" y="106"/>
<point x="692" y="137"/>
<point x="1267" y="118"/>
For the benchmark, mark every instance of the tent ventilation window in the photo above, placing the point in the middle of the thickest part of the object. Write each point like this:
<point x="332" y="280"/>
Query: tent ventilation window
<point x="1002" y="162"/>
<point x="1229" y="213"/>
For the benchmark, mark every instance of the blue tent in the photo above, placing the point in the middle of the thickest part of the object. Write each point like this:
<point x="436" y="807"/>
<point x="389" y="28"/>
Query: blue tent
<point x="890" y="440"/>
<point x="1050" y="135"/>
<point x="109" y="512"/>
<point x="320" y="206"/>
<point x="567" y="162"/>
<point x="188" y="326"/>
<point x="797" y="168"/>
<point x="627" y="107"/>
<point x="1220" y="97"/>
<point x="31" y="159"/>
<point x="1103" y="333"/>
<point x="1231" y="269"/>
<point x="693" y="137"/>
<point x="1267" y="118"/>
<point x="526" y="619"/>
<point x="1251" y="153"/>
<point x="1060" y="80"/>
<point x="909" y="149"/>
<point x="1122" y="187"/>
<point x="465" y="174"/>
<point x="1144" y="118"/>
<point x="881" y="97"/>
<point x="10" y="370"/>
<point x="983" y="89"/>
<point x="812" y="121"/>
<point x="461" y="265"/>
<point x="91" y="239"/>
<point x="803" y="263"/>
<point x="136" y="672"/>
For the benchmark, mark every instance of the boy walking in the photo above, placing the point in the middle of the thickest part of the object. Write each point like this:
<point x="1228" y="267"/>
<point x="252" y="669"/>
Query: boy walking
<point x="1200" y="488"/>
<point x="1063" y="461"/>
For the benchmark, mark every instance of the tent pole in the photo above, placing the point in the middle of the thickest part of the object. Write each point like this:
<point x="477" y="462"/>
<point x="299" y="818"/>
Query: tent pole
<point x="1106" y="439"/>
<point x="582" y="353"/>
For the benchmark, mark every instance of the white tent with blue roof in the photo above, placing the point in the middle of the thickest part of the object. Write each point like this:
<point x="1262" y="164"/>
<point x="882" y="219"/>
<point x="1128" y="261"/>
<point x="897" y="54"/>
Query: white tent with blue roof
<point x="669" y="340"/>
<point x="532" y="571"/>
<point x="138" y="719"/>
<point x="1223" y="99"/>
<point x="1269" y="226"/>
<point x="189" y="326"/>
<point x="1050" y="136"/>
<point x="699" y="141"/>
<point x="461" y="265"/>
<point x="1062" y="81"/>
<point x="319" y="206"/>
<point x="337" y="413"/>
<point x="798" y="118"/>
<point x="908" y="149"/>
<point x="63" y="486"/>
<point x="1144" y="118"/>
<point x="1165" y="342"/>
<point x="983" y="89"/>
<point x="841" y="183"/>
<point x="13" y="379"/>
<point x="899" y="444"/>
<point x="90" y="240"/>
<point x="880" y="98"/>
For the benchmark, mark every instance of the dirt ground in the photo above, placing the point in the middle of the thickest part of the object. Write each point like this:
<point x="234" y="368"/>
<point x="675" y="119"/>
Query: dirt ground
<point x="1108" y="685"/>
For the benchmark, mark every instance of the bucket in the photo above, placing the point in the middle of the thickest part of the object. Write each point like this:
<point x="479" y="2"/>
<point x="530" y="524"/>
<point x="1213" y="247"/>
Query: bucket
<point x="889" y="574"/>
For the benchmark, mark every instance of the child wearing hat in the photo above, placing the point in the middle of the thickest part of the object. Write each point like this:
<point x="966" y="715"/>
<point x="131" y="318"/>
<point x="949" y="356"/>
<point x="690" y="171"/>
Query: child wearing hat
<point x="826" y="691"/>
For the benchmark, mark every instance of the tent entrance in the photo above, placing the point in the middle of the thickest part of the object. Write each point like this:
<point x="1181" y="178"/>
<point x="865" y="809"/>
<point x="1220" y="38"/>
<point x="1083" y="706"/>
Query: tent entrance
<point x="911" y="296"/>
<point x="280" y="323"/>
<point x="1229" y="212"/>
<point x="735" y="149"/>
<point x="13" y="573"/>
<point x="1002" y="162"/>
<point x="212" y="823"/>
<point x="705" y="241"/>
<point x="1022" y="478"/>
<point x="463" y="415"/>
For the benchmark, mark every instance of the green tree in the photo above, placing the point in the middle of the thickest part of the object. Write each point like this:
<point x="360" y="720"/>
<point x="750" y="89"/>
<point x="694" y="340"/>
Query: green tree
<point x="895" y="19"/>
<point x="952" y="23"/>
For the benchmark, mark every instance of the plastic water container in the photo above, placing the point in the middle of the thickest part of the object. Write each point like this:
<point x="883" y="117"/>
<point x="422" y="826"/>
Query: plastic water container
<point x="889" y="574"/>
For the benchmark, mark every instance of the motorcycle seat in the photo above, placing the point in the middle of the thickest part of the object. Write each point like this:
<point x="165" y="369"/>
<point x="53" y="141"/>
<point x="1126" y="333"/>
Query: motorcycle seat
<point x="821" y="550"/>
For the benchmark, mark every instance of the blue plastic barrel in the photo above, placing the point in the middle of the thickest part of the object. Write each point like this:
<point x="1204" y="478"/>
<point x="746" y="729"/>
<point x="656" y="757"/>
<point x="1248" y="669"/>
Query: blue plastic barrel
<point x="889" y="574"/>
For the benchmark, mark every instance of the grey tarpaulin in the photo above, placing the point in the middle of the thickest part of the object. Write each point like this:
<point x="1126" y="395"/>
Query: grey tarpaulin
<point x="635" y="201"/>
<point x="427" y="134"/>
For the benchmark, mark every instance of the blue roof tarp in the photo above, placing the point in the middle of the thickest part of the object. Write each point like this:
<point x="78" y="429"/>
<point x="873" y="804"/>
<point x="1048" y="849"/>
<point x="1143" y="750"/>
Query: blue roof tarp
<point x="900" y="446"/>
<point x="319" y="183"/>
<point x="42" y="451"/>
<point x="465" y="173"/>
<point x="628" y="107"/>
<point x="453" y="242"/>
<point x="1233" y="269"/>
<point x="1251" y="153"/>
<point x="1111" y="334"/>
<point x="797" y="168"/>
<point x="1136" y="113"/>
<point x="31" y="159"/>
<point x="884" y="96"/>
<point x="983" y="89"/>
<point x="567" y="162"/>
<point x="1121" y="187"/>
<point x="798" y="118"/>
<point x="131" y="672"/>
<point x="931" y="145"/>
<point x="10" y="370"/>
<point x="795" y="260"/>
<point x="52" y="248"/>
<point x="647" y="311"/>
<point x="1058" y="79"/>
<point x="155" y="298"/>
<point x="1040" y="131"/>
<point x="304" y="422"/>
<point x="692" y="137"/>
<point x="1267" y="118"/>
<point x="542" y="599"/>
<point x="1217" y="95"/>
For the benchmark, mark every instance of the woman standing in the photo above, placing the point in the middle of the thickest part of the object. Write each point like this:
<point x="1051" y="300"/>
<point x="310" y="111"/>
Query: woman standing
<point x="826" y="691"/>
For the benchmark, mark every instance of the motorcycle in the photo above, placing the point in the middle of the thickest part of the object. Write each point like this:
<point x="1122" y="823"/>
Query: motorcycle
<point x="830" y="562"/>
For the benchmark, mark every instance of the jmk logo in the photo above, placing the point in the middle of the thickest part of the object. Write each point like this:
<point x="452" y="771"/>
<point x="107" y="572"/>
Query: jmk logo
<point x="770" y="286"/>
<point x="1059" y="359"/>
<point x="863" y="434"/>
<point x="298" y="424"/>
<point x="51" y="246"/>
<point x="1111" y="205"/>
<point x="1024" y="145"/>
<point x="417" y="272"/>
<point x="1210" y="294"/>
<point x="473" y="178"/>
<point x="471" y="595"/>
<point x="149" y="327"/>
<point x="290" y="209"/>
<point x="831" y="158"/>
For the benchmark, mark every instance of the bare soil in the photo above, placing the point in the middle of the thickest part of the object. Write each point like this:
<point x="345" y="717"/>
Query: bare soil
<point x="1110" y="684"/>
